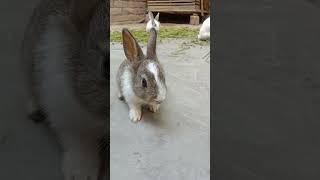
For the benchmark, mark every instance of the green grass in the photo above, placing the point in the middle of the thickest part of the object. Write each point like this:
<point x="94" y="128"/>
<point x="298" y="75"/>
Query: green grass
<point x="164" y="33"/>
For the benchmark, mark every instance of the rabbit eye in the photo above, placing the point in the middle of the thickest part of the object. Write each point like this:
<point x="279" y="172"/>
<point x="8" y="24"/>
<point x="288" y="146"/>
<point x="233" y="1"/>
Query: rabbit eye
<point x="144" y="83"/>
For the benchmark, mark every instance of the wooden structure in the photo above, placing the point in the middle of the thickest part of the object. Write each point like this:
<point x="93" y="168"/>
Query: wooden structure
<point x="127" y="11"/>
<point x="192" y="7"/>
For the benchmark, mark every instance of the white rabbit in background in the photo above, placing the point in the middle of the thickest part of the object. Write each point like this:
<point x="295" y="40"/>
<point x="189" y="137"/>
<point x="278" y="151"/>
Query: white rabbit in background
<point x="153" y="22"/>
<point x="204" y="33"/>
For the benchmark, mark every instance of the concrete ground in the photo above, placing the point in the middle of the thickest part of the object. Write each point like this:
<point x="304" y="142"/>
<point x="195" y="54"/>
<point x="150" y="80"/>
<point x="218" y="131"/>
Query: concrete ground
<point x="174" y="143"/>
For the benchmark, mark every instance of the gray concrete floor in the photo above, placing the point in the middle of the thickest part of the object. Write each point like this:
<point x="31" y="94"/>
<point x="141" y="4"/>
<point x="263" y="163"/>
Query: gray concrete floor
<point x="174" y="143"/>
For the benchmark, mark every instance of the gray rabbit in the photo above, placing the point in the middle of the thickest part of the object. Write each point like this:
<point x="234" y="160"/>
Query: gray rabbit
<point x="66" y="53"/>
<point x="141" y="79"/>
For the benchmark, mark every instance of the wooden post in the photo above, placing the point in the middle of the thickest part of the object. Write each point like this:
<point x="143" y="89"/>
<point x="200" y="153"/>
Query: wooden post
<point x="194" y="19"/>
<point x="201" y="7"/>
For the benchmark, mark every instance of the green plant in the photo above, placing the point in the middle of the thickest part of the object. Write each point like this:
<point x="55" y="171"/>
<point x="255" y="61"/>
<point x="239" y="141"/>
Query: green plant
<point x="165" y="33"/>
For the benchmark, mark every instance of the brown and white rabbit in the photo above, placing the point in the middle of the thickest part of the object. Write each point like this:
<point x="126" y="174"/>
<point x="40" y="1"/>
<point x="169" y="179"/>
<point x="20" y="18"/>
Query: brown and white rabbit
<point x="66" y="53"/>
<point x="140" y="78"/>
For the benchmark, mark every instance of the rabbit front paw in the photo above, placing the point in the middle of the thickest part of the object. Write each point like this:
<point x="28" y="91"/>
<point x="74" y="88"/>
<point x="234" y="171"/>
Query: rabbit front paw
<point x="153" y="107"/>
<point x="135" y="114"/>
<point x="120" y="96"/>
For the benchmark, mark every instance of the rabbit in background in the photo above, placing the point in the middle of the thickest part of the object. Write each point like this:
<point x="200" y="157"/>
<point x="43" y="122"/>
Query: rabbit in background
<point x="204" y="33"/>
<point x="153" y="22"/>
<point x="140" y="78"/>
<point x="66" y="56"/>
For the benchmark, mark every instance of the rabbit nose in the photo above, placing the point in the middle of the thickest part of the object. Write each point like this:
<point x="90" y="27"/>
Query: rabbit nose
<point x="159" y="100"/>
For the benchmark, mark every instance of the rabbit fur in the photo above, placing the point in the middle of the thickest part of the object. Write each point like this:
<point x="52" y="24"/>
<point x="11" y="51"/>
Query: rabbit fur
<point x="140" y="78"/>
<point x="204" y="33"/>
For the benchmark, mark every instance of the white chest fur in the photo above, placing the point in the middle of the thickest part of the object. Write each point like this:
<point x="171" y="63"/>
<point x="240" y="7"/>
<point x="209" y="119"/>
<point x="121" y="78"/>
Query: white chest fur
<point x="127" y="88"/>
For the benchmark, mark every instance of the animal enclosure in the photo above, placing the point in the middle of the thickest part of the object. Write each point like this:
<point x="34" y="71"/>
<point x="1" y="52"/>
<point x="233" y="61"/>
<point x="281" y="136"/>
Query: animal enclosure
<point x="195" y="8"/>
<point x="135" y="11"/>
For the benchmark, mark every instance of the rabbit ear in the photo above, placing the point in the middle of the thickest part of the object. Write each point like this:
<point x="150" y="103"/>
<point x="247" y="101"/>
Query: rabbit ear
<point x="157" y="17"/>
<point x="131" y="48"/>
<point x="152" y="45"/>
<point x="151" y="16"/>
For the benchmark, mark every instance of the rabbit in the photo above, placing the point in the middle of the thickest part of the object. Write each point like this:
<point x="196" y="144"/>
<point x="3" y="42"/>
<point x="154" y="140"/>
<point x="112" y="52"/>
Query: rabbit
<point x="66" y="55"/>
<point x="140" y="78"/>
<point x="204" y="33"/>
<point x="153" y="22"/>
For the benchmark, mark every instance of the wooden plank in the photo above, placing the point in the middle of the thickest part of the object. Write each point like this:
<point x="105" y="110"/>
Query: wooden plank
<point x="176" y="6"/>
<point x="206" y="5"/>
<point x="179" y="4"/>
<point x="151" y="3"/>
<point x="173" y="1"/>
<point x="172" y="4"/>
<point x="178" y="11"/>
<point x="182" y="6"/>
<point x="169" y="8"/>
<point x="201" y="7"/>
<point x="169" y="2"/>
